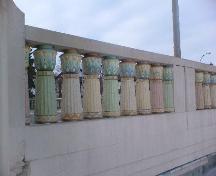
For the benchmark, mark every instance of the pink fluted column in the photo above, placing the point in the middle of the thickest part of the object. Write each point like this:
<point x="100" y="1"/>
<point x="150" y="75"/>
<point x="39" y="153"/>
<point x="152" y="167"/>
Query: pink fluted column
<point x="156" y="89"/>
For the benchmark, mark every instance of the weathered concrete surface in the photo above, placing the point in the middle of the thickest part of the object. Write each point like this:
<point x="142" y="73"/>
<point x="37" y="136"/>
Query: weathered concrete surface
<point x="141" y="145"/>
<point x="11" y="88"/>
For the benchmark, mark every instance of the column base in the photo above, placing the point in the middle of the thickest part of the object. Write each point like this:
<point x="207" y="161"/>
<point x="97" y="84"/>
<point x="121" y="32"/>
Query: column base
<point x="71" y="117"/>
<point x="46" y="119"/>
<point x="111" y="114"/>
<point x="157" y="110"/>
<point x="207" y="107"/>
<point x="144" y="111"/>
<point x="200" y="108"/>
<point x="92" y="115"/>
<point x="169" y="109"/>
<point x="128" y="113"/>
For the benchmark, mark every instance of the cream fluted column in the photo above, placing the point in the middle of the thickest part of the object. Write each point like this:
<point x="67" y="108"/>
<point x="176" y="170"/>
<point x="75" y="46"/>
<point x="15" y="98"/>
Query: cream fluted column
<point x="27" y="107"/>
<point x="46" y="106"/>
<point x="206" y="90"/>
<point x="156" y="89"/>
<point x="143" y="89"/>
<point x="92" y="107"/>
<point x="213" y="90"/>
<point x="127" y="97"/>
<point x="111" y="98"/>
<point x="199" y="77"/>
<point x="168" y="89"/>
<point x="71" y="97"/>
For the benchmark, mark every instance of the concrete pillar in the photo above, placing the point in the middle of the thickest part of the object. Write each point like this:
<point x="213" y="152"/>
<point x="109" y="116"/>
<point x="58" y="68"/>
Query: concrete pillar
<point x="206" y="90"/>
<point x="156" y="88"/>
<point x="127" y="97"/>
<point x="71" y="97"/>
<point x="92" y="107"/>
<point x="46" y="105"/>
<point x="143" y="89"/>
<point x="27" y="108"/>
<point x="12" y="89"/>
<point x="168" y="89"/>
<point x="199" y="77"/>
<point x="213" y="90"/>
<point x="111" y="98"/>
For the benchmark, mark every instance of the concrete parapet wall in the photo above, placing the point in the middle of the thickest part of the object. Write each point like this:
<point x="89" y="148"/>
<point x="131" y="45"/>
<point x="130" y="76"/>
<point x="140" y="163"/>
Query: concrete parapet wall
<point x="141" y="145"/>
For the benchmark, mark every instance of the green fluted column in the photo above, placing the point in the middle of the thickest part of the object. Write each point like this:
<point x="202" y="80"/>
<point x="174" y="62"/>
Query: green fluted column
<point x="111" y="98"/>
<point x="46" y="106"/>
<point x="168" y="89"/>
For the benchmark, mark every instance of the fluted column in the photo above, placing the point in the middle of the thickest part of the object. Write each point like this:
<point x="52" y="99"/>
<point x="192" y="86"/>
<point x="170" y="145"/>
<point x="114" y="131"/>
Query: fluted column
<point x="143" y="89"/>
<point x="168" y="89"/>
<point x="92" y="107"/>
<point x="206" y="91"/>
<point x="71" y="97"/>
<point x="213" y="90"/>
<point x="46" y="106"/>
<point x="199" y="77"/>
<point x="27" y="107"/>
<point x="127" y="97"/>
<point x="111" y="98"/>
<point x="156" y="88"/>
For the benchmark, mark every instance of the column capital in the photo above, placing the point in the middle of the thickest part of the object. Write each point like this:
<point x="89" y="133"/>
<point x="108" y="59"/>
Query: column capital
<point x="45" y="57"/>
<point x="207" y="78"/>
<point x="143" y="71"/>
<point x="92" y="64"/>
<point x="127" y="69"/>
<point x="111" y="66"/>
<point x="156" y="72"/>
<point x="199" y="77"/>
<point x="213" y="79"/>
<point x="70" y="61"/>
<point x="168" y="73"/>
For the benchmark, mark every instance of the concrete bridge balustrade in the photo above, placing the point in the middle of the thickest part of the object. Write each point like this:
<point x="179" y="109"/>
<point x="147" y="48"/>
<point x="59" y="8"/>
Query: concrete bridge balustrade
<point x="158" y="101"/>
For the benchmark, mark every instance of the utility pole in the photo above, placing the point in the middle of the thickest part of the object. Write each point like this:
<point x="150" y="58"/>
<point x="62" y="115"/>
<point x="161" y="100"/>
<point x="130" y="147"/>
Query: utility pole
<point x="176" y="29"/>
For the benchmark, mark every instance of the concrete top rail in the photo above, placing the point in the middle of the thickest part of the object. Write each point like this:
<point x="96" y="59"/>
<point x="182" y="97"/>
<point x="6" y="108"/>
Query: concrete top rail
<point x="61" y="41"/>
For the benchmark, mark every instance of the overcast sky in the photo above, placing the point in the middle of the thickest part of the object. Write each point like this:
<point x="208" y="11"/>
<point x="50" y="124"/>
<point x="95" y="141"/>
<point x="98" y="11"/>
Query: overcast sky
<point x="141" y="24"/>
